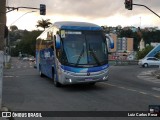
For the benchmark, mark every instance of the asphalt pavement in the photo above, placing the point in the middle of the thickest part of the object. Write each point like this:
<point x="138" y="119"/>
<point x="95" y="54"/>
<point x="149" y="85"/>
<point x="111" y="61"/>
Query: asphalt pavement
<point x="157" y="73"/>
<point x="130" y="88"/>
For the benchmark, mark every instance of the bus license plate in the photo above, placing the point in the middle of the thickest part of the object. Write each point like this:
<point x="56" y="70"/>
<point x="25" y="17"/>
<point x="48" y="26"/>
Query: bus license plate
<point x="88" y="79"/>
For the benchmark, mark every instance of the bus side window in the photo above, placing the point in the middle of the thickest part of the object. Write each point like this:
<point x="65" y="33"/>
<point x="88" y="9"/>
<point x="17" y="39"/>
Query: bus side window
<point x="58" y="53"/>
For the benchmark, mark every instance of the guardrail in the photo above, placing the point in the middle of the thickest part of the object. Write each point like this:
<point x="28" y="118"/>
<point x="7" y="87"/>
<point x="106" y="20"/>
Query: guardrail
<point x="123" y="62"/>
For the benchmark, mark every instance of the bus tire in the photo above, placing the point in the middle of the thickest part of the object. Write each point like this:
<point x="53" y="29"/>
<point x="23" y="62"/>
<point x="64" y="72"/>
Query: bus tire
<point x="92" y="83"/>
<point x="40" y="72"/>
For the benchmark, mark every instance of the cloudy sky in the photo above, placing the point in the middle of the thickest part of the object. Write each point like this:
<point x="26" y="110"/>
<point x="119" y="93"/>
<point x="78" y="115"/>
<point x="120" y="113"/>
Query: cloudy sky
<point x="101" y="12"/>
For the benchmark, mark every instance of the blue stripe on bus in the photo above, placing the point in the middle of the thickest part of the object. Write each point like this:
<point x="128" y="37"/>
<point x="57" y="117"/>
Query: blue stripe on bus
<point x="80" y="28"/>
<point x="81" y="70"/>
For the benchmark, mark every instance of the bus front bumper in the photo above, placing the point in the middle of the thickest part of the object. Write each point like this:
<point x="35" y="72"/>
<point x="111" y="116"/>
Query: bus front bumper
<point x="76" y="78"/>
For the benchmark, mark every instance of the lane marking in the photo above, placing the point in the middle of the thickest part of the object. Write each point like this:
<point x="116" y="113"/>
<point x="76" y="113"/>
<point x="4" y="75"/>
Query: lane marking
<point x="144" y="93"/>
<point x="121" y="87"/>
<point x="133" y="90"/>
<point x="157" y="96"/>
<point x="149" y="79"/>
<point x="110" y="84"/>
<point x="155" y="88"/>
<point x="10" y="76"/>
<point x="156" y="82"/>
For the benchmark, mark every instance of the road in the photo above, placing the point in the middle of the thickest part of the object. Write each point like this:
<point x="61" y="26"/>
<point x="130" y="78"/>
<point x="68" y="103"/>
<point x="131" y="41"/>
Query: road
<point x="130" y="88"/>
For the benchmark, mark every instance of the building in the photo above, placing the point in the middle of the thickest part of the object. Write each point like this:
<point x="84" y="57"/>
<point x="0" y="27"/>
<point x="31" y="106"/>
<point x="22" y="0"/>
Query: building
<point x="122" y="47"/>
<point x="141" y="44"/>
<point x="122" y="44"/>
<point x="130" y="42"/>
<point x="154" y="44"/>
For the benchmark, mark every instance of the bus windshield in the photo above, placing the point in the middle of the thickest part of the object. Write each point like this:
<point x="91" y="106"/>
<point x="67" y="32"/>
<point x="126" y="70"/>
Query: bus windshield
<point x="84" y="49"/>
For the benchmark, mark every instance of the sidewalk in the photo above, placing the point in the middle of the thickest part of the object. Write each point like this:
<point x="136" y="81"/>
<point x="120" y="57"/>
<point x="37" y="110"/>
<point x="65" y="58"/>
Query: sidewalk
<point x="6" y="66"/>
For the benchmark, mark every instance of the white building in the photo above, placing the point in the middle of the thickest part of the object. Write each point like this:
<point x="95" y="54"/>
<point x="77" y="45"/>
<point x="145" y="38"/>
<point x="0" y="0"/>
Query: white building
<point x="154" y="44"/>
<point x="142" y="44"/>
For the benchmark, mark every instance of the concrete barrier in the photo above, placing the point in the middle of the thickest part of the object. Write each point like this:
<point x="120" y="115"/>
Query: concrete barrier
<point x="123" y="62"/>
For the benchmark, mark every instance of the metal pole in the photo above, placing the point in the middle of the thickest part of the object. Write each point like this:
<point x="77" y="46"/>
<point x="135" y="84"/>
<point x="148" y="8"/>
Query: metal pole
<point x="21" y="17"/>
<point x="147" y="8"/>
<point x="2" y="27"/>
<point x="16" y="8"/>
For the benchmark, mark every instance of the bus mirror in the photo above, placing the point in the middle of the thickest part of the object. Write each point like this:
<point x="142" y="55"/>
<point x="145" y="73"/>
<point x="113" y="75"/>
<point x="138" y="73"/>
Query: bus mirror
<point x="110" y="41"/>
<point x="57" y="42"/>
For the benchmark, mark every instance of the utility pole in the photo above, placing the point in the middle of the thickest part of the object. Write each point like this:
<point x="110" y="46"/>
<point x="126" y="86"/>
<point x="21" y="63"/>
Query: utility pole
<point x="2" y="31"/>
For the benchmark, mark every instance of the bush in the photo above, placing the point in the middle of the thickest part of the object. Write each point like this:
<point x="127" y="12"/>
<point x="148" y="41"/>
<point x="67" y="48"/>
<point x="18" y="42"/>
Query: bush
<point x="141" y="54"/>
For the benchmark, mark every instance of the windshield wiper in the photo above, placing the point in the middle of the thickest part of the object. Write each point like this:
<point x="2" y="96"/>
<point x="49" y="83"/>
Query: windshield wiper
<point x="82" y="52"/>
<point x="95" y="57"/>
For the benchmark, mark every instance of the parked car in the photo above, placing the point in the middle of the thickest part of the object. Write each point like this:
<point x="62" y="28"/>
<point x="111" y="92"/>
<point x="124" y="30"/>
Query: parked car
<point x="149" y="61"/>
<point x="25" y="59"/>
<point x="32" y="59"/>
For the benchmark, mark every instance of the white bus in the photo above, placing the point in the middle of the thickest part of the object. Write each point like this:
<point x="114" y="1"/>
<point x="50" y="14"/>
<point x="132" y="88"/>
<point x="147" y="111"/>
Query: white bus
<point x="73" y="52"/>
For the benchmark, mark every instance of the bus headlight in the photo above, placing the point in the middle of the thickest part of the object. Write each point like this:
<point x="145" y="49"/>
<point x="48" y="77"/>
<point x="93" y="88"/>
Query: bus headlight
<point x="105" y="77"/>
<point x="70" y="80"/>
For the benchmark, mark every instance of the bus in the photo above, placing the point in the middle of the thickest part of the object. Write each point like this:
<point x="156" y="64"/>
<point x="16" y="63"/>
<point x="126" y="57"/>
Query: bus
<point x="73" y="52"/>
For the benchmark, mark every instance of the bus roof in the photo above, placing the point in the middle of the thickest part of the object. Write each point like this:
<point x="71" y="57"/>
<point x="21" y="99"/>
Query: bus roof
<point x="69" y="25"/>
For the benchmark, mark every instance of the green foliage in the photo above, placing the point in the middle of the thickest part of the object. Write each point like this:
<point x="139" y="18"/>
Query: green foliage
<point x="148" y="36"/>
<point x="27" y="44"/>
<point x="43" y="23"/>
<point x="153" y="36"/>
<point x="13" y="28"/>
<point x="14" y="36"/>
<point x="141" y="54"/>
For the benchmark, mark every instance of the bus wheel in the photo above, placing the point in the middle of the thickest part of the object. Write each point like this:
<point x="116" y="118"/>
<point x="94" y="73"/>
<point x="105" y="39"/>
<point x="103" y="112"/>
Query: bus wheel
<point x="93" y="83"/>
<point x="56" y="83"/>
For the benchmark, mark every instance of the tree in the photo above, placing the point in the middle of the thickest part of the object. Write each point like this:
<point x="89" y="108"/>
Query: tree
<point x="13" y="28"/>
<point x="43" y="23"/>
<point x="27" y="44"/>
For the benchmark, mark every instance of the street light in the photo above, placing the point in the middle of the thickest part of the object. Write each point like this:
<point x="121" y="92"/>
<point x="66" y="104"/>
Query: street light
<point x="21" y="17"/>
<point x="12" y="24"/>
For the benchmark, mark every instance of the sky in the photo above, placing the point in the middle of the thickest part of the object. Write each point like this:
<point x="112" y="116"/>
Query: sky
<point x="100" y="12"/>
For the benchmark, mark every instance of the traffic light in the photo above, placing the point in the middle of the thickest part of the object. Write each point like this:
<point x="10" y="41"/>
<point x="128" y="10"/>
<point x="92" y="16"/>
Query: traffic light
<point x="128" y="4"/>
<point x="42" y="9"/>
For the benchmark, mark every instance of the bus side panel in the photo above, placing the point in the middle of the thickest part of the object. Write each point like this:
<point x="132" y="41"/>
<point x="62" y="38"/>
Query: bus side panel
<point x="47" y="61"/>
<point x="37" y="59"/>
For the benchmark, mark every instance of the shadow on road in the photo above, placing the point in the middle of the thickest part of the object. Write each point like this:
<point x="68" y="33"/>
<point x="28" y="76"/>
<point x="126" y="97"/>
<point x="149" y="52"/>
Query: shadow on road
<point x="83" y="87"/>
